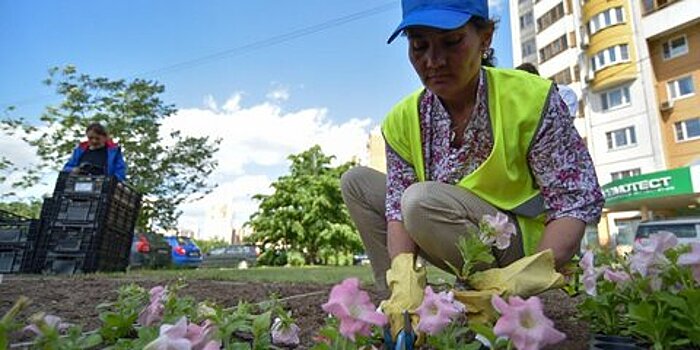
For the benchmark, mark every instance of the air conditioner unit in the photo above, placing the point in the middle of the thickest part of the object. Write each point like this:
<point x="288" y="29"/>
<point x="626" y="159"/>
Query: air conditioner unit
<point x="584" y="46"/>
<point x="666" y="106"/>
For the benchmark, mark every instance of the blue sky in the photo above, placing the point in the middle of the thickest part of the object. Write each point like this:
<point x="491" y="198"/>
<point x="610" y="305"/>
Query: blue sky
<point x="348" y="68"/>
<point x="329" y="88"/>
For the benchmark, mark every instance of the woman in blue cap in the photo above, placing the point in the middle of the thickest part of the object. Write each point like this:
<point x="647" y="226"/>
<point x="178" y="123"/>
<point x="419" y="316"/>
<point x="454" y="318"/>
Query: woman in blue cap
<point x="475" y="140"/>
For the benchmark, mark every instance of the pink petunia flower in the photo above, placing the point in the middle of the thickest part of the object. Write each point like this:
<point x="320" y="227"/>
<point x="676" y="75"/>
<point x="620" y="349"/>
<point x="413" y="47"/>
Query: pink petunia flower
<point x="172" y="337"/>
<point x="284" y="335"/>
<point x="615" y="276"/>
<point x="153" y="313"/>
<point x="212" y="345"/>
<point x="649" y="257"/>
<point x="437" y="311"/>
<point x="51" y="321"/>
<point x="200" y="336"/>
<point x="353" y="308"/>
<point x="692" y="259"/>
<point x="499" y="230"/>
<point x="590" y="273"/>
<point x="523" y="322"/>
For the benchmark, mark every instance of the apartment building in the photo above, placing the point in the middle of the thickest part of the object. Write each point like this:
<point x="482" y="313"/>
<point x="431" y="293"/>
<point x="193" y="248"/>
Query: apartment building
<point x="638" y="63"/>
<point x="545" y="33"/>
<point x="672" y="32"/>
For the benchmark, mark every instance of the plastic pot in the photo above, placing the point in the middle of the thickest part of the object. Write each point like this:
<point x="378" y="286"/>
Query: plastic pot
<point x="613" y="342"/>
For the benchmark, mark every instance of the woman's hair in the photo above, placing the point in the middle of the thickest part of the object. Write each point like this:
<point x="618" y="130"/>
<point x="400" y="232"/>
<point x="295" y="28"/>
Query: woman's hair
<point x="482" y="24"/>
<point x="97" y="128"/>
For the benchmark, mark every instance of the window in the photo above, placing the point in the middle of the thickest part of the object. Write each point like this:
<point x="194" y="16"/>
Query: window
<point x="688" y="130"/>
<point x="553" y="49"/>
<point x="527" y="20"/>
<point x="607" y="18"/>
<point x="563" y="77"/>
<point x="615" y="98"/>
<point x="621" y="138"/>
<point x="529" y="48"/>
<point x="681" y="88"/>
<point x="610" y="56"/>
<point x="625" y="173"/>
<point x="550" y="17"/>
<point x="675" y="47"/>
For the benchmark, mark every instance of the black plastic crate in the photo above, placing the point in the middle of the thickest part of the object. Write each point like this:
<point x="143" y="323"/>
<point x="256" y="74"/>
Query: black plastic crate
<point x="121" y="216"/>
<point x="105" y="243"/>
<point x="83" y="185"/>
<point x="79" y="211"/>
<point x="18" y="231"/>
<point x="68" y="264"/>
<point x="87" y="262"/>
<point x="16" y="258"/>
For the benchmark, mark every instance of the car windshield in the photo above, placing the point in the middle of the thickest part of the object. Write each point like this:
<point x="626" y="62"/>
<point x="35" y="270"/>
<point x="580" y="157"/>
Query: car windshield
<point x="241" y="249"/>
<point x="183" y="240"/>
<point x="217" y="251"/>
<point x="680" y="230"/>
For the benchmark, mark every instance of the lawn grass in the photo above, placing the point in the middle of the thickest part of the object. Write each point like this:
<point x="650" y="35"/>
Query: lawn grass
<point x="310" y="274"/>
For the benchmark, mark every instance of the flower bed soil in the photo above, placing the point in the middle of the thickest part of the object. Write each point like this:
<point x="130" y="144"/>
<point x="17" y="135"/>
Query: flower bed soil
<point x="74" y="300"/>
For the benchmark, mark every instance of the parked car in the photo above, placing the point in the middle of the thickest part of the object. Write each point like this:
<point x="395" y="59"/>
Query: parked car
<point x="149" y="250"/>
<point x="686" y="229"/>
<point x="238" y="256"/>
<point x="185" y="252"/>
<point x="360" y="259"/>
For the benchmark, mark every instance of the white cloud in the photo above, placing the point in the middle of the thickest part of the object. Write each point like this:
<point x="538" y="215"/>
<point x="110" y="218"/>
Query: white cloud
<point x="279" y="94"/>
<point x="22" y="155"/>
<point x="496" y="6"/>
<point x="261" y="136"/>
<point x="210" y="103"/>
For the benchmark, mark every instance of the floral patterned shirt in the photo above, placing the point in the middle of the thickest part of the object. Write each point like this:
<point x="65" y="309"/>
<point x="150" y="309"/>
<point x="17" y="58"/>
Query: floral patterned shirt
<point x="558" y="158"/>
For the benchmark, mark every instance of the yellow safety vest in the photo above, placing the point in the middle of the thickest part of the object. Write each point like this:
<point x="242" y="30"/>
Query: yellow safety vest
<point x="516" y="103"/>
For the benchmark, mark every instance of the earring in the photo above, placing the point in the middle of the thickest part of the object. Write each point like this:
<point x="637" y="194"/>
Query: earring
<point x="484" y="55"/>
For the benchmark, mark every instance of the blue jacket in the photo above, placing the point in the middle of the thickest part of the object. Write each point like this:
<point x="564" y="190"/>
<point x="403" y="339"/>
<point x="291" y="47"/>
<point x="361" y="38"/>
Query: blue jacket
<point x="115" y="161"/>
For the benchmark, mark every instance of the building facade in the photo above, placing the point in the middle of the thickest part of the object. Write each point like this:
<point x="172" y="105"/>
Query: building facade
<point x="636" y="64"/>
<point x="545" y="33"/>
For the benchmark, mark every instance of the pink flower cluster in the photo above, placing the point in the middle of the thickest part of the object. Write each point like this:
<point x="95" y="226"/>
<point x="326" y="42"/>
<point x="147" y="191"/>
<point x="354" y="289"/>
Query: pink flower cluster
<point x="591" y="273"/>
<point x="184" y="336"/>
<point x="497" y="230"/>
<point x="437" y="311"/>
<point x="153" y="313"/>
<point x="649" y="256"/>
<point x="524" y="323"/>
<point x="353" y="308"/>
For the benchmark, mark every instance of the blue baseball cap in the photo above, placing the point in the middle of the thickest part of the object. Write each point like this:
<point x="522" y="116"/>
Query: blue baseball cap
<point x="441" y="14"/>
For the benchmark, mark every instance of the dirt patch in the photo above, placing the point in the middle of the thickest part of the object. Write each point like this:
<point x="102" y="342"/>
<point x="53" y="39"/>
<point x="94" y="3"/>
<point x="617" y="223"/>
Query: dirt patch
<point x="75" y="300"/>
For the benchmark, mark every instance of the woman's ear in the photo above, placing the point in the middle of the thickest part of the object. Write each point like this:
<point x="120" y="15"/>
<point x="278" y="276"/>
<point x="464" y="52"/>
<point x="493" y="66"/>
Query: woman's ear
<point x="486" y="38"/>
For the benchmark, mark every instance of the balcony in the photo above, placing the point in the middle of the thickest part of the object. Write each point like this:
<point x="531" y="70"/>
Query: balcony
<point x="649" y="6"/>
<point x="662" y="16"/>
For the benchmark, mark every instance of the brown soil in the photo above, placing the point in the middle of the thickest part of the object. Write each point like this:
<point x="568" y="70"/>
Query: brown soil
<point x="75" y="300"/>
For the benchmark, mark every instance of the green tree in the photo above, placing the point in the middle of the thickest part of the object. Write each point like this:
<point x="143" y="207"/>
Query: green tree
<point x="168" y="169"/>
<point x="306" y="213"/>
<point x="31" y="209"/>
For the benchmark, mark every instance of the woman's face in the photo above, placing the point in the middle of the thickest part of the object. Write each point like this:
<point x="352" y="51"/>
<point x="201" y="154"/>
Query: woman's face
<point x="96" y="140"/>
<point x="447" y="61"/>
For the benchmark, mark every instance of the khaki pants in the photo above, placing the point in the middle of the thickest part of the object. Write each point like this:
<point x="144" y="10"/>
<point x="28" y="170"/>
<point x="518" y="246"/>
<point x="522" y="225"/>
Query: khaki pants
<point x="435" y="215"/>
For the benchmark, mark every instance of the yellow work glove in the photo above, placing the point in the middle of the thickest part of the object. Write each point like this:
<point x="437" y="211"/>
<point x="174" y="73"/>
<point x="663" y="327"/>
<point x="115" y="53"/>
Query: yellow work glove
<point x="406" y="282"/>
<point x="525" y="277"/>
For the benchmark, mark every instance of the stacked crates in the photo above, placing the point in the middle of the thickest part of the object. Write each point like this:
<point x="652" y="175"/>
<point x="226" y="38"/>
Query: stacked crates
<point x="88" y="225"/>
<point x="18" y="242"/>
